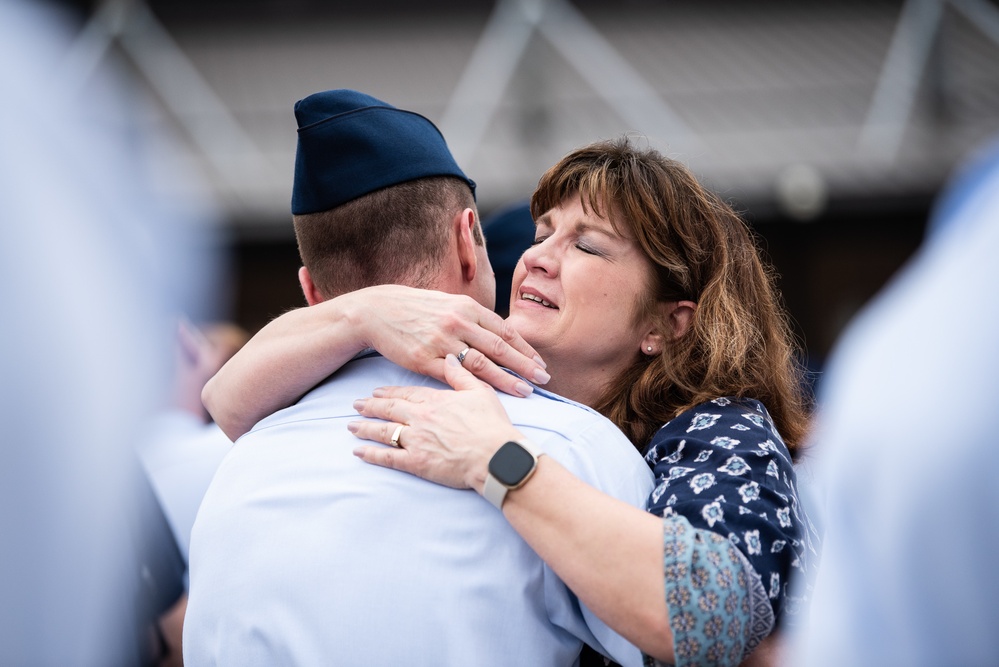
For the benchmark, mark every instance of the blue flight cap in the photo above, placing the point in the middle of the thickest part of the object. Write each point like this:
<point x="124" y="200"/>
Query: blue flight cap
<point x="350" y="144"/>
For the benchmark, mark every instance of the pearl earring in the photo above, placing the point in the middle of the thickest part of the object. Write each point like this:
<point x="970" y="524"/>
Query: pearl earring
<point x="649" y="348"/>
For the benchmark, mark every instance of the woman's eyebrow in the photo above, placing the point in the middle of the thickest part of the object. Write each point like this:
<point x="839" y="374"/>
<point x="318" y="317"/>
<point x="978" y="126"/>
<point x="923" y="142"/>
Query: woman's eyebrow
<point x="579" y="227"/>
<point x="611" y="233"/>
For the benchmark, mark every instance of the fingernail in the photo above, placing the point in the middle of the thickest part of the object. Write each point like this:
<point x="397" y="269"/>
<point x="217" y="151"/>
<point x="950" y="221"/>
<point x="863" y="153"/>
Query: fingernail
<point x="523" y="389"/>
<point x="359" y="452"/>
<point x="540" y="362"/>
<point x="451" y="360"/>
<point x="354" y="427"/>
<point x="541" y="377"/>
<point x="359" y="404"/>
<point x="378" y="392"/>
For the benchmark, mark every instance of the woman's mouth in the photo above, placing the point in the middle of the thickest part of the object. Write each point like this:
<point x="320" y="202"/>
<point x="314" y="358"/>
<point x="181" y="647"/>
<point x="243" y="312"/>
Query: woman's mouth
<point x="538" y="299"/>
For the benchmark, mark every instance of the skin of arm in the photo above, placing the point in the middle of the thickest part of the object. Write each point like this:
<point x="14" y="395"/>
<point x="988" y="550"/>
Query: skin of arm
<point x="294" y="352"/>
<point x="608" y="552"/>
<point x="412" y="327"/>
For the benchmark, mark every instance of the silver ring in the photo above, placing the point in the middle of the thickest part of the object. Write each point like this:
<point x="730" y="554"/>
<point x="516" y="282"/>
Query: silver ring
<point x="396" y="434"/>
<point x="463" y="354"/>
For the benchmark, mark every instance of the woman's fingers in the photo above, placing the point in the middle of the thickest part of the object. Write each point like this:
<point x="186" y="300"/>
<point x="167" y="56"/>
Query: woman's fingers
<point x="399" y="405"/>
<point x="476" y="365"/>
<point x="402" y="460"/>
<point x="386" y="457"/>
<point x="411" y="393"/>
<point x="380" y="456"/>
<point x="396" y="410"/>
<point x="431" y="427"/>
<point x="462" y="377"/>
<point x="382" y="432"/>
<point x="509" y="346"/>
<point x="417" y="328"/>
<point x="497" y="344"/>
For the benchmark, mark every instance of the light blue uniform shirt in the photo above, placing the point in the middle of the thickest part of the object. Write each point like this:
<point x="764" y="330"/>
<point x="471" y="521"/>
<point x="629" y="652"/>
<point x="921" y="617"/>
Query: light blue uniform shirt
<point x="180" y="456"/>
<point x="302" y="554"/>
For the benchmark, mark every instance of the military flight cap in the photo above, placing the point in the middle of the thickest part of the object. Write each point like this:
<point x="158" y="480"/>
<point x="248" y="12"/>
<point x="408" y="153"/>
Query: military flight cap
<point x="351" y="144"/>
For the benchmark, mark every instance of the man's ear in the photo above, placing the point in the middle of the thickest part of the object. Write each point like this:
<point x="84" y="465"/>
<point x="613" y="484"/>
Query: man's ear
<point x="464" y="224"/>
<point x="309" y="289"/>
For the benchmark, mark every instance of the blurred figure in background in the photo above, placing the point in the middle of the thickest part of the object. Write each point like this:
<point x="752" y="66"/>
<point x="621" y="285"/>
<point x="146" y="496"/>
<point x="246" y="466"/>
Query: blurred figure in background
<point x="906" y="443"/>
<point x="89" y="265"/>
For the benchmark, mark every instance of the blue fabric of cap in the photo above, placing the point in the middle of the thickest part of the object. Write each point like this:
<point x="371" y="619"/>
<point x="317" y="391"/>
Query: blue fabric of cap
<point x="350" y="144"/>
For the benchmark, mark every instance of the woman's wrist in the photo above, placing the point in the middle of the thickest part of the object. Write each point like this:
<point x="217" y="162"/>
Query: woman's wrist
<point x="476" y="476"/>
<point x="479" y="468"/>
<point x="349" y="322"/>
<point x="511" y="467"/>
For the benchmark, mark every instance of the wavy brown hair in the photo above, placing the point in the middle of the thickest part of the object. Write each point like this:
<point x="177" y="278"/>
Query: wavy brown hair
<point x="739" y="343"/>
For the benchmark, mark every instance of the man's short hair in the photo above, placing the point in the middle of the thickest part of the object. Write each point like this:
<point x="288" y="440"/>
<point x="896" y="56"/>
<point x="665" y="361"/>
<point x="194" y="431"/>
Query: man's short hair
<point x="376" y="189"/>
<point x="396" y="235"/>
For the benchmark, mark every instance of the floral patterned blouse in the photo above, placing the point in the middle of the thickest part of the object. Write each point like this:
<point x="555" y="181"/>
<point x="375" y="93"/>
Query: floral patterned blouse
<point x="722" y="470"/>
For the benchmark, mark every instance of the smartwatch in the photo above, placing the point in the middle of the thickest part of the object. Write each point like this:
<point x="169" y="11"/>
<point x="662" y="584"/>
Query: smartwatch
<point x="510" y="468"/>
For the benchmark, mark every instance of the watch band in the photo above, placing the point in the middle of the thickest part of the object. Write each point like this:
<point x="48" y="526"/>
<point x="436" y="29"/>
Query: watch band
<point x="495" y="490"/>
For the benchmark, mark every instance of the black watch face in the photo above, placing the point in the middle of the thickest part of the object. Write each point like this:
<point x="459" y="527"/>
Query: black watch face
<point x="510" y="464"/>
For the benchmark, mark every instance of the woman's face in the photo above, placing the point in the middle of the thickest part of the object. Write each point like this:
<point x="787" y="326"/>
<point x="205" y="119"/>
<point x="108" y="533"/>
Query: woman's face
<point x="575" y="298"/>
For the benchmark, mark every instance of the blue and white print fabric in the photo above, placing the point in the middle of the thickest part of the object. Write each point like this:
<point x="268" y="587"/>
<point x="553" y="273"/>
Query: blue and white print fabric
<point x="718" y="609"/>
<point x="723" y="466"/>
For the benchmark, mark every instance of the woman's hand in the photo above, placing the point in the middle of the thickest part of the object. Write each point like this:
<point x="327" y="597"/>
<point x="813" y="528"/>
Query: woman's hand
<point x="447" y="437"/>
<point x="412" y="327"/>
<point x="416" y="328"/>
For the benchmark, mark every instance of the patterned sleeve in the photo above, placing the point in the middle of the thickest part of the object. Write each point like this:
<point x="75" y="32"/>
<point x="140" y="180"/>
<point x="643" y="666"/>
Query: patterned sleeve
<point x="718" y="608"/>
<point x="723" y="467"/>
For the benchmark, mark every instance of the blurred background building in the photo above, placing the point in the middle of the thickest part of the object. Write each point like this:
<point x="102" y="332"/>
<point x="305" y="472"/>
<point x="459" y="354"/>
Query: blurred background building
<point x="830" y="125"/>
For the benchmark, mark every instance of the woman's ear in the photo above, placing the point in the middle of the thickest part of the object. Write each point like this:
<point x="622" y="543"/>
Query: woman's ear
<point x="680" y="317"/>
<point x="652" y="344"/>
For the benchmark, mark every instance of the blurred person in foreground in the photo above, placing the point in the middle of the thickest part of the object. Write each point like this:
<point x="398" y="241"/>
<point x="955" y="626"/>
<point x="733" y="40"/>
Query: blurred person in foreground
<point x="303" y="555"/>
<point x="905" y="446"/>
<point x="649" y="301"/>
<point x="182" y="447"/>
<point x="86" y="253"/>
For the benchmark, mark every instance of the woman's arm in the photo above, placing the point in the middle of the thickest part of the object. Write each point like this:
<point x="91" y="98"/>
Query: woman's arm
<point x="411" y="327"/>
<point x="608" y="552"/>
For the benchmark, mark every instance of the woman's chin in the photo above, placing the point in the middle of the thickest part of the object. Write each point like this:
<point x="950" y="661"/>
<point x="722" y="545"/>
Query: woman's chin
<point x="529" y="331"/>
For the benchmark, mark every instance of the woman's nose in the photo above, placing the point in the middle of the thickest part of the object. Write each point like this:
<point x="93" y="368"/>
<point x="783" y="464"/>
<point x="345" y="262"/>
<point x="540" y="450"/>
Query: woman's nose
<point x="542" y="257"/>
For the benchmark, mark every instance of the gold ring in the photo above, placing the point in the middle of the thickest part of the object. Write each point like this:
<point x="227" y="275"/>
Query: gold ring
<point x="395" y="436"/>
<point x="462" y="354"/>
